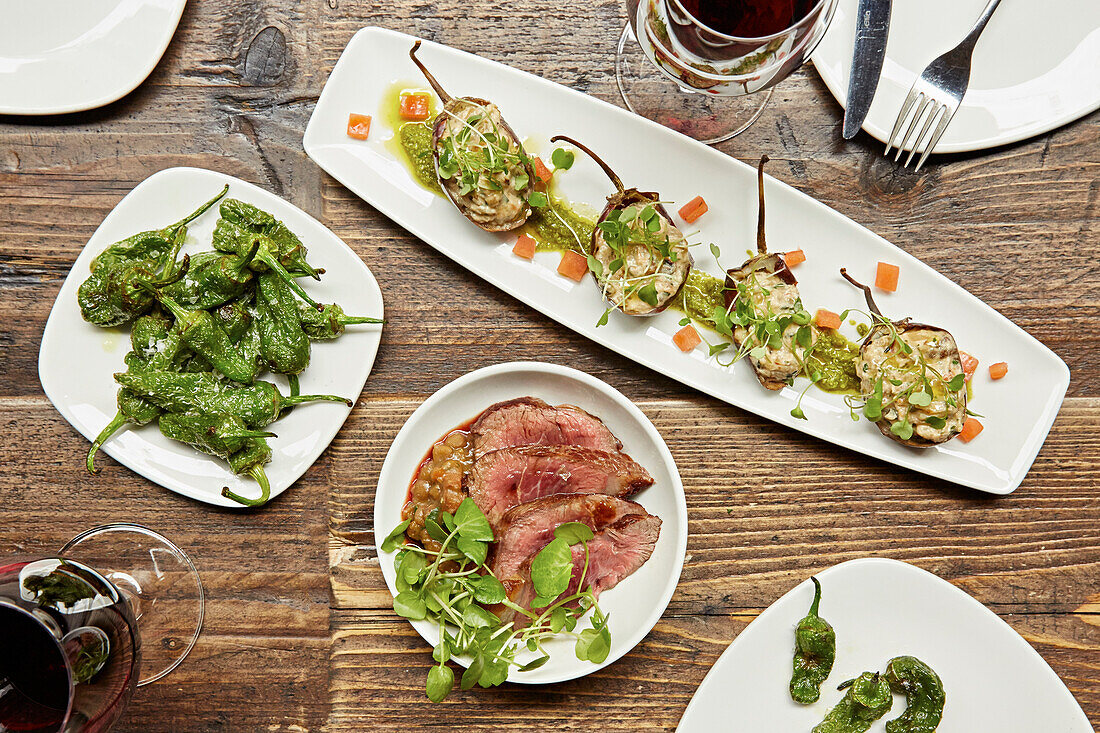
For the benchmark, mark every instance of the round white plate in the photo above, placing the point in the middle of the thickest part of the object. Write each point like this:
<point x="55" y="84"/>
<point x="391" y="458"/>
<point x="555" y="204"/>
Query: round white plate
<point x="77" y="359"/>
<point x="59" y="56"/>
<point x="1035" y="67"/>
<point x="635" y="604"/>
<point x="881" y="609"/>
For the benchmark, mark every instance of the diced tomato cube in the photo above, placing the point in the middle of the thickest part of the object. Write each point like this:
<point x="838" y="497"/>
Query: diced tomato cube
<point x="687" y="338"/>
<point x="358" y="126"/>
<point x="415" y="106"/>
<point x="525" y="247"/>
<point x="573" y="265"/>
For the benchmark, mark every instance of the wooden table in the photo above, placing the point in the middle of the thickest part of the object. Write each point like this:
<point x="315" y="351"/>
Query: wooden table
<point x="299" y="633"/>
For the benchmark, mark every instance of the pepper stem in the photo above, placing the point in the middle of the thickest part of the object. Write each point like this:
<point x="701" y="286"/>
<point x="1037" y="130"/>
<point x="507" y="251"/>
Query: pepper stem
<point x="264" y="255"/>
<point x="112" y="427"/>
<point x="866" y="292"/>
<point x="817" y="598"/>
<point x="257" y="473"/>
<point x="299" y="399"/>
<point x="351" y="320"/>
<point x="246" y="259"/>
<point x="428" y="75"/>
<point x="196" y="213"/>
<point x="761" y="245"/>
<point x="599" y="161"/>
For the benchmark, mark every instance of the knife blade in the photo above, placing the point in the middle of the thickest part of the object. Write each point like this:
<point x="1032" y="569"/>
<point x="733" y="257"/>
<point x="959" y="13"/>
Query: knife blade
<point x="872" y="28"/>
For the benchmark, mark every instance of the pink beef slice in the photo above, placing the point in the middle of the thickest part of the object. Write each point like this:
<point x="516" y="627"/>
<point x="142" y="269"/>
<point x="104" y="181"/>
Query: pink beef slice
<point x="530" y="421"/>
<point x="505" y="478"/>
<point x="614" y="553"/>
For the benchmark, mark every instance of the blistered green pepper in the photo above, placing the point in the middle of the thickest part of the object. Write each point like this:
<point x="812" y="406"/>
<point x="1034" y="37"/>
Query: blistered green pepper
<point x="290" y="250"/>
<point x="216" y="435"/>
<point x="283" y="344"/>
<point x="250" y="461"/>
<point x="235" y="317"/>
<point x="258" y="404"/>
<point x="212" y="279"/>
<point x="868" y="699"/>
<point x="113" y="296"/>
<point x="203" y="333"/>
<point x="814" y="653"/>
<point x="329" y="322"/>
<point x="924" y="695"/>
<point x="151" y="245"/>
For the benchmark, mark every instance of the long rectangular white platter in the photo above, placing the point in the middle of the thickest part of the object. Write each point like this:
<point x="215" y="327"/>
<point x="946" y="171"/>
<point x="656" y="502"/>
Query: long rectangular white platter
<point x="1018" y="410"/>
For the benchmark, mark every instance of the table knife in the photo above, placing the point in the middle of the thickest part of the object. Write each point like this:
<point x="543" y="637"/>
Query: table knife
<point x="872" y="28"/>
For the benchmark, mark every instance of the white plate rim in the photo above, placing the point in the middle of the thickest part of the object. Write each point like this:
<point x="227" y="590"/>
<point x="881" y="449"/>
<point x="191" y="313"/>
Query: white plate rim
<point x="909" y="459"/>
<point x="391" y="474"/>
<point x="50" y="387"/>
<point x="899" y="567"/>
<point x="838" y="87"/>
<point x="108" y="97"/>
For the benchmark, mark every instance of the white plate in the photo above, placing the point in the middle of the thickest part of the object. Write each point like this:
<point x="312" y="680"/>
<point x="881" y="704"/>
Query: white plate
<point x="70" y="55"/>
<point x="1035" y="66"/>
<point x="1018" y="409"/>
<point x="635" y="604"/>
<point x="77" y="359"/>
<point x="882" y="609"/>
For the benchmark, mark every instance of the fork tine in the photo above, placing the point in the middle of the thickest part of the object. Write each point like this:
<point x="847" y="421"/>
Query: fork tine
<point x="937" y="108"/>
<point x="944" y="121"/>
<point x="912" y="125"/>
<point x="909" y="101"/>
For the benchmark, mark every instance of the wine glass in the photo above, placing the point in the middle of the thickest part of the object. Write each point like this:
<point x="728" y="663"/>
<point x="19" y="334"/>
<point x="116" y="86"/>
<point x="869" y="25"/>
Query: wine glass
<point x="71" y="653"/>
<point x="706" y="68"/>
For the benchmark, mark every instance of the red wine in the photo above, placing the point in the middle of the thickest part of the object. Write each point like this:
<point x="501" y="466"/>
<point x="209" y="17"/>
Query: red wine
<point x="748" y="18"/>
<point x="34" y="680"/>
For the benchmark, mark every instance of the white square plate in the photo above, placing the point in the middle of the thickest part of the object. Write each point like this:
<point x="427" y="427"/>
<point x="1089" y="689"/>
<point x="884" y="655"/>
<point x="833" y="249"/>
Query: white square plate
<point x="634" y="605"/>
<point x="77" y="359"/>
<point x="881" y="609"/>
<point x="1018" y="409"/>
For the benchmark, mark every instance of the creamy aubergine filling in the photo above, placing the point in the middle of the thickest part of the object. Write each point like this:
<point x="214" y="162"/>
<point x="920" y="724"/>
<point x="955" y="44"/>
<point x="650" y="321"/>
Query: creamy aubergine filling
<point x="642" y="265"/>
<point x="880" y="357"/>
<point x="770" y="296"/>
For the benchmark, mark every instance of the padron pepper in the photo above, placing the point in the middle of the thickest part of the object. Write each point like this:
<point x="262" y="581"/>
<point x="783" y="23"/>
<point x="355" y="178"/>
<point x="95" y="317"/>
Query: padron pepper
<point x="235" y="317"/>
<point x="283" y="344"/>
<point x="329" y="322"/>
<point x="814" y="653"/>
<point x="868" y="699"/>
<point x="150" y="245"/>
<point x="216" y="435"/>
<point x="924" y="695"/>
<point x="292" y="253"/>
<point x="113" y="296"/>
<point x="203" y="333"/>
<point x="212" y="279"/>
<point x="232" y="238"/>
<point x="250" y="461"/>
<point x="257" y="405"/>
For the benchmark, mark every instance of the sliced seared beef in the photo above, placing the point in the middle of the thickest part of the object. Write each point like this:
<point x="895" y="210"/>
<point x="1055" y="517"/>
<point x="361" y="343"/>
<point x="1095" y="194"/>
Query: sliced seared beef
<point x="502" y="479"/>
<point x="615" y="552"/>
<point x="530" y="421"/>
<point x="529" y="527"/>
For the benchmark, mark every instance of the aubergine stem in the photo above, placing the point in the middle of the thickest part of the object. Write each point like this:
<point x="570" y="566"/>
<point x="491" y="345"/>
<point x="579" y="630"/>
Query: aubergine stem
<point x="257" y="473"/>
<point x="599" y="161"/>
<point x="446" y="98"/>
<point x="112" y="427"/>
<point x="866" y="292"/>
<point x="761" y="245"/>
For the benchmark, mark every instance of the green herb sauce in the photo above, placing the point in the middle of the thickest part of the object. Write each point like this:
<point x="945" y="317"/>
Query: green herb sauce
<point x="557" y="228"/>
<point x="835" y="357"/>
<point x="701" y="294"/>
<point x="411" y="141"/>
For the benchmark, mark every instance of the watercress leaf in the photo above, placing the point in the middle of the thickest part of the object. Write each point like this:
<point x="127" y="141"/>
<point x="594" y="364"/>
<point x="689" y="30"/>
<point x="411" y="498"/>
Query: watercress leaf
<point x="956" y="382"/>
<point x="433" y="527"/>
<point x="935" y="421"/>
<point x="396" y="537"/>
<point x="685" y="321"/>
<point x="412" y="566"/>
<point x="442" y="651"/>
<point x="562" y="158"/>
<point x="521" y="180"/>
<point x="715" y="251"/>
<point x="903" y="429"/>
<point x="615" y="265"/>
<point x="558" y="618"/>
<point x="542" y="601"/>
<point x="648" y="293"/>
<point x="717" y="348"/>
<point x="478" y="617"/>
<point x="448" y="520"/>
<point x="600" y="646"/>
<point x="495" y="673"/>
<point x="440" y="682"/>
<point x="603" y="318"/>
<point x="574" y="532"/>
<point x="647" y="213"/>
<point x="802" y="318"/>
<point x="535" y="663"/>
<point x="552" y="568"/>
<point x="409" y="605"/>
<point x="584" y="641"/>
<point x="758" y="353"/>
<point x="532" y="644"/>
<point x="627" y="215"/>
<point x="473" y="549"/>
<point x="473" y="672"/>
<point x="804" y="337"/>
<point x="920" y="399"/>
<point x="489" y="590"/>
<point x="595" y="266"/>
<point x="895" y="382"/>
<point x="654" y="225"/>
<point x="539" y="201"/>
<point x="797" y="412"/>
<point x="471" y="522"/>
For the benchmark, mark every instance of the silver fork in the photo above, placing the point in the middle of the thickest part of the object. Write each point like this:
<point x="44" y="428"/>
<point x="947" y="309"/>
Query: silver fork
<point x="938" y="91"/>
